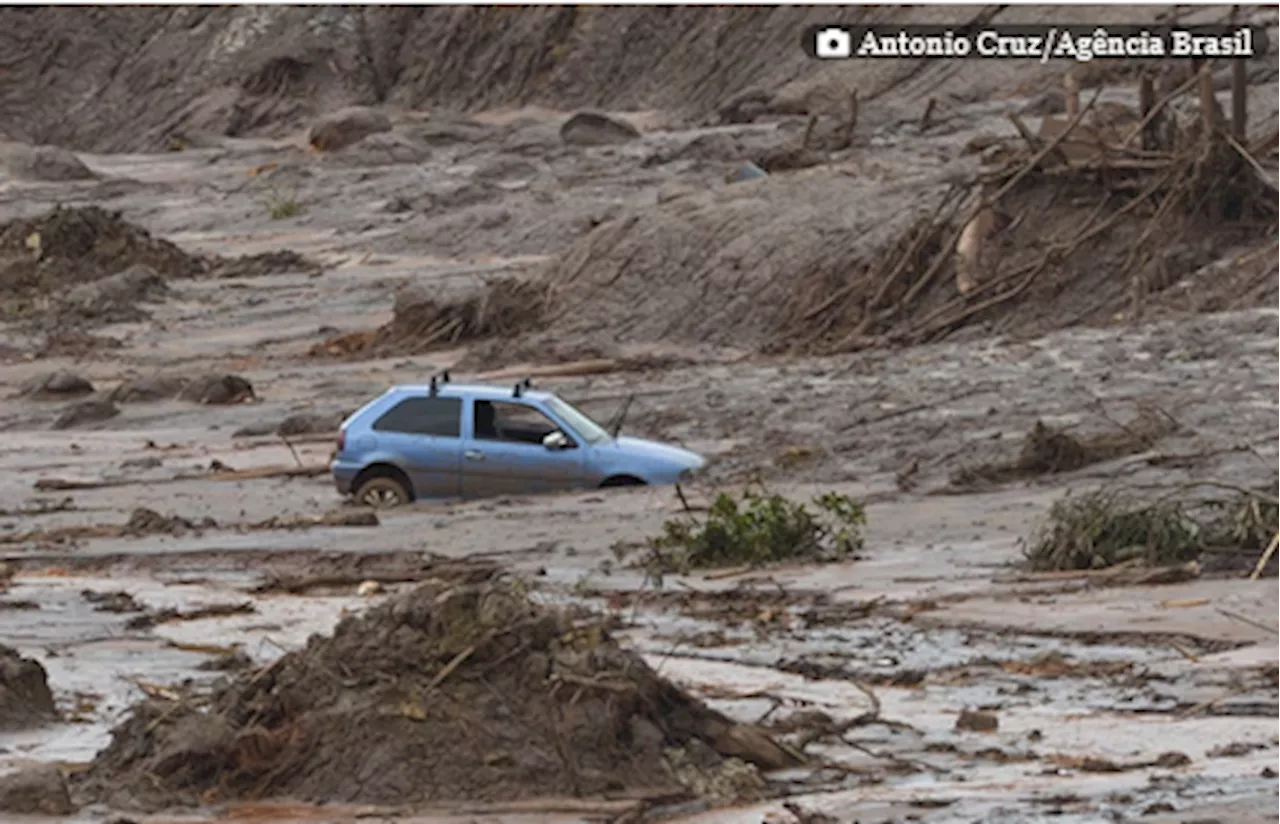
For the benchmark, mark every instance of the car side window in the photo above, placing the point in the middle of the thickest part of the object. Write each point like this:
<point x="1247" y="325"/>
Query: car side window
<point x="512" y="423"/>
<point x="441" y="417"/>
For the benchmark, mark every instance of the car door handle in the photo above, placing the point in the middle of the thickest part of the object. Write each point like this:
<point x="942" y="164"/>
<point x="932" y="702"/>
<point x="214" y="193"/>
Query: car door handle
<point x="473" y="455"/>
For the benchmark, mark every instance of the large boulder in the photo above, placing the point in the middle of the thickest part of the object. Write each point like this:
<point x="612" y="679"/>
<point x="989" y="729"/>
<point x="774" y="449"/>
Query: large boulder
<point x="92" y="411"/>
<point x="346" y="127"/>
<point x="589" y="128"/>
<point x="25" y="699"/>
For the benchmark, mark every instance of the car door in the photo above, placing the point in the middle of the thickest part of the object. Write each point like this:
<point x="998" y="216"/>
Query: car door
<point x="503" y="452"/>
<point x="422" y="436"/>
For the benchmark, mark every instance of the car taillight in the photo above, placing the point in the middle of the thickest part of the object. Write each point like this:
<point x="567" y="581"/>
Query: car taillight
<point x="342" y="440"/>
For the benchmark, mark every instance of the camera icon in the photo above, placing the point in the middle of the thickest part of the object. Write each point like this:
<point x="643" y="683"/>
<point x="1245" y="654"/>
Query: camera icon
<point x="833" y="43"/>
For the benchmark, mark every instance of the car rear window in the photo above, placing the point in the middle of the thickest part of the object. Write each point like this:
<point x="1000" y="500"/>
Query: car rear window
<point x="441" y="417"/>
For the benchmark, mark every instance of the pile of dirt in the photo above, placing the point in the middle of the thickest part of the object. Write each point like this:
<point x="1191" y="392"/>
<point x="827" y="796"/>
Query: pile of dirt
<point x="25" y="699"/>
<point x="214" y="388"/>
<point x="67" y="247"/>
<point x="1049" y="450"/>
<point x="469" y="692"/>
<point x="428" y="316"/>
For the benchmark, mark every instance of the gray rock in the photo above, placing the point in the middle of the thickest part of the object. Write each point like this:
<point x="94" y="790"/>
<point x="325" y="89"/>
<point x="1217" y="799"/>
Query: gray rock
<point x="60" y="384"/>
<point x="590" y="128"/>
<point x="86" y="412"/>
<point x="25" y="699"/>
<point x="36" y="790"/>
<point x="217" y="389"/>
<point x="347" y="127"/>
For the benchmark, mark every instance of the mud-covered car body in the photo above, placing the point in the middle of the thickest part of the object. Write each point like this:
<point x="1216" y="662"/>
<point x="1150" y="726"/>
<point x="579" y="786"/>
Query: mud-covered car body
<point x="446" y="440"/>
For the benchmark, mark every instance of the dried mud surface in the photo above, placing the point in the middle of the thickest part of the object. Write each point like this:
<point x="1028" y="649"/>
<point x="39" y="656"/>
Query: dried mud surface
<point x="175" y="557"/>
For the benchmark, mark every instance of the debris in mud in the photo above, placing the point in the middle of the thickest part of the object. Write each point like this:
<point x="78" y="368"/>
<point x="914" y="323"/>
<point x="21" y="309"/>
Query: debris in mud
<point x="363" y="517"/>
<point x="60" y="384"/>
<point x="977" y="721"/>
<point x="1098" y="764"/>
<point x="1235" y="749"/>
<point x="25" y="699"/>
<point x="235" y="661"/>
<point x="764" y="529"/>
<point x="75" y="343"/>
<point x="445" y="693"/>
<point x="220" y="389"/>
<point x="93" y="411"/>
<point x="48" y="163"/>
<point x="118" y="601"/>
<point x="279" y="262"/>
<point x="311" y="423"/>
<point x="346" y="127"/>
<point x="591" y="128"/>
<point x="1048" y="450"/>
<point x="427" y="316"/>
<point x="36" y="790"/>
<point x="113" y="299"/>
<point x="143" y="521"/>
<point x="171" y="614"/>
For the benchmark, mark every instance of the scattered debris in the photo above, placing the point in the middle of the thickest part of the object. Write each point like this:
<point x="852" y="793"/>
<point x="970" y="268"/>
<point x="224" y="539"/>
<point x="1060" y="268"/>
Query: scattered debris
<point x="25" y="699"/>
<point x="235" y="661"/>
<point x="1050" y="450"/>
<point x="47" y="163"/>
<point x="976" y="721"/>
<point x="368" y="589"/>
<point x="765" y="529"/>
<point x="113" y="299"/>
<point x="143" y="521"/>
<point x="171" y="614"/>
<point x="118" y="601"/>
<point x="282" y="261"/>
<point x="220" y="389"/>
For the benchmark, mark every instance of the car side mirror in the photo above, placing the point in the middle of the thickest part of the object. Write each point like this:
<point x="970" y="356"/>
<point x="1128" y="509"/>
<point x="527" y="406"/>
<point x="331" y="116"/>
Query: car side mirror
<point x="555" y="440"/>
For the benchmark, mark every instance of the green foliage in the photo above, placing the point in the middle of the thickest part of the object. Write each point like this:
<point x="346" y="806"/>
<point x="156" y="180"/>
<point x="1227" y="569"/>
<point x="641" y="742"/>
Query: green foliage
<point x="1099" y="530"/>
<point x="760" y="529"/>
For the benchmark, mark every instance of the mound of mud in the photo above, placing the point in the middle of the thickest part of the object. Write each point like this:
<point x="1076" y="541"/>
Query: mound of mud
<point x="726" y="266"/>
<point x="25" y="699"/>
<point x="446" y="693"/>
<point x="427" y="316"/>
<point x="47" y="163"/>
<point x="244" y="70"/>
<point x="71" y="246"/>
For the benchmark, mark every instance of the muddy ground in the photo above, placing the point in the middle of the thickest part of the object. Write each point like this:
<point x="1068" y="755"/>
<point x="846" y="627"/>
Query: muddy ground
<point x="157" y="533"/>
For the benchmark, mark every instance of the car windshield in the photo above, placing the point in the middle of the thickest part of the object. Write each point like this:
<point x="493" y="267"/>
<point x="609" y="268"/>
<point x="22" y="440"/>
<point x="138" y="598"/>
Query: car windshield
<point x="580" y="422"/>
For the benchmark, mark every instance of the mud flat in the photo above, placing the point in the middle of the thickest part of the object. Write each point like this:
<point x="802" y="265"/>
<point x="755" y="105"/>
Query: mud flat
<point x="181" y="332"/>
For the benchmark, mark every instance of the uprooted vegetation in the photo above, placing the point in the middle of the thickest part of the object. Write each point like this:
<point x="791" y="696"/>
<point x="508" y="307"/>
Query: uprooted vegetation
<point x="1091" y="220"/>
<point x="1230" y="530"/>
<point x="759" y="529"/>
<point x="1050" y="450"/>
<point x="463" y="692"/>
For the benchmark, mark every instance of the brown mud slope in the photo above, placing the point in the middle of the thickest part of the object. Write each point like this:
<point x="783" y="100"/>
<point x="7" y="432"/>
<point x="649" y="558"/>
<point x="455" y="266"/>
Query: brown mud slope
<point x="830" y="260"/>
<point x="446" y="693"/>
<point x="132" y="79"/>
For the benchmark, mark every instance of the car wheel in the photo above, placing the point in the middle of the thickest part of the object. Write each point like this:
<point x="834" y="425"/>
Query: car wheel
<point x="382" y="493"/>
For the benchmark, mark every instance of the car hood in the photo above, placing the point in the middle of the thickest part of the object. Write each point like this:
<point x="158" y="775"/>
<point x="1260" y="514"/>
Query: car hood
<point x="652" y="450"/>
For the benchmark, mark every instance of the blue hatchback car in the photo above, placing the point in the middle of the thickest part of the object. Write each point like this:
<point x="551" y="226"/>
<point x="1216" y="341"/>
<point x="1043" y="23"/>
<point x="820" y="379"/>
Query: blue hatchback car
<point x="446" y="440"/>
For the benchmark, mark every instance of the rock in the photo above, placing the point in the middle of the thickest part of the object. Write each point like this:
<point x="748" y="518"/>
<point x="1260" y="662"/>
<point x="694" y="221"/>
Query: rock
<point x="155" y="388"/>
<point x="747" y="171"/>
<point x="444" y="131"/>
<point x="977" y="721"/>
<point x="218" y="389"/>
<point x="25" y="699"/>
<point x="590" y="128"/>
<point x="86" y="412"/>
<point x="310" y="423"/>
<point x="383" y="149"/>
<point x="346" y="128"/>
<point x="50" y="163"/>
<point x="368" y="589"/>
<point x="115" y="298"/>
<point x="36" y="790"/>
<point x="60" y="384"/>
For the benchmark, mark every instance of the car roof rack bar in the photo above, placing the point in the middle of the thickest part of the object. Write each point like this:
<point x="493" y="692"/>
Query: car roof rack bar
<point x="444" y="376"/>
<point x="515" y="392"/>
<point x="434" y="387"/>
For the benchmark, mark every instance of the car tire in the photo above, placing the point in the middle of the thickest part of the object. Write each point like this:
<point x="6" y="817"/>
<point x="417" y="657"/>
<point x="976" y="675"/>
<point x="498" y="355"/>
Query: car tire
<point x="382" y="492"/>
